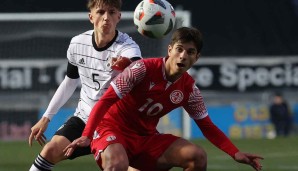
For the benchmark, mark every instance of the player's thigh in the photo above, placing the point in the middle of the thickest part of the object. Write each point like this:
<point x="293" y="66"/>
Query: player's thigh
<point x="114" y="155"/>
<point x="180" y="153"/>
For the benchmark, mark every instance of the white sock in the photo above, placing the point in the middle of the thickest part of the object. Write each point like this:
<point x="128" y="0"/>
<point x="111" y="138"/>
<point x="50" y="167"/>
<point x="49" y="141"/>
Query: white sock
<point x="41" y="164"/>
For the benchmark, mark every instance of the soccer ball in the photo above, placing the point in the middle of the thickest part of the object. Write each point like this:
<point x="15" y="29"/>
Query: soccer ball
<point x="154" y="18"/>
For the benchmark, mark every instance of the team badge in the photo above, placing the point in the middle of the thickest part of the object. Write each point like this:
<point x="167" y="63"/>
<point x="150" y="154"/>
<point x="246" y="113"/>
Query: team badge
<point x="176" y="96"/>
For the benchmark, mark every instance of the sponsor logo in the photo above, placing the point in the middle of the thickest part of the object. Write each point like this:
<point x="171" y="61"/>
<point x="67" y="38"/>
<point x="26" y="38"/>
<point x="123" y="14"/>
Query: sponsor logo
<point x="82" y="61"/>
<point x="176" y="96"/>
<point x="152" y="84"/>
<point x="111" y="138"/>
<point x="136" y="65"/>
<point x="96" y="135"/>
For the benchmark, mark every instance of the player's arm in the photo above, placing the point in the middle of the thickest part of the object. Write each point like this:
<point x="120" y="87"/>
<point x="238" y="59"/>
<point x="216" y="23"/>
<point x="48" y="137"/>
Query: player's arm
<point x="119" y="88"/>
<point x="122" y="62"/>
<point x="64" y="91"/>
<point x="216" y="136"/>
<point x="220" y="140"/>
<point x="97" y="113"/>
<point x="62" y="94"/>
<point x="198" y="111"/>
<point x="128" y="53"/>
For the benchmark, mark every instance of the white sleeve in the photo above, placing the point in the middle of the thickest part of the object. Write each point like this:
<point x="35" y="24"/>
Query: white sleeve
<point x="62" y="94"/>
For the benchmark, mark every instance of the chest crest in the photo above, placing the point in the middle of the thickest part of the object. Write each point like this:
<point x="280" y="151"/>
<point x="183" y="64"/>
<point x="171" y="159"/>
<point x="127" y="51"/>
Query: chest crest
<point x="176" y="96"/>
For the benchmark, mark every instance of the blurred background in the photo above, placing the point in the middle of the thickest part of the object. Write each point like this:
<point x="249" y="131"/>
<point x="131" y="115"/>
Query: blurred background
<point x="250" y="53"/>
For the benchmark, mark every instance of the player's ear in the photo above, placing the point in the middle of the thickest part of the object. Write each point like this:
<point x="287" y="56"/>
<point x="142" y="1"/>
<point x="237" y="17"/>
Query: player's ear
<point x="198" y="56"/>
<point x="169" y="49"/>
<point x="90" y="17"/>
<point x="119" y="17"/>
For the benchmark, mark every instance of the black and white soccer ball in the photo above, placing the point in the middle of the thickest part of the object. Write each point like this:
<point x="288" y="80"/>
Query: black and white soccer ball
<point x="154" y="18"/>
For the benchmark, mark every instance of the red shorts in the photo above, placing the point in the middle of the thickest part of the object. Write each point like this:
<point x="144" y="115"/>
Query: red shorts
<point x="142" y="151"/>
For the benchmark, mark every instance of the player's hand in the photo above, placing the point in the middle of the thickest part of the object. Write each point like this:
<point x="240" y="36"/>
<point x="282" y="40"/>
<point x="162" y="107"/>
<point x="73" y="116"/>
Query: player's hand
<point x="79" y="142"/>
<point x="250" y="159"/>
<point x="37" y="131"/>
<point x="120" y="63"/>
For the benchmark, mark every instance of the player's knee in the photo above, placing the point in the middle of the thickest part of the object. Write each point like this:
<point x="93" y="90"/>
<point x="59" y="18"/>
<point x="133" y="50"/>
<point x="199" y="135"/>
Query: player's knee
<point x="120" y="165"/>
<point x="118" y="162"/>
<point x="197" y="159"/>
<point x="200" y="159"/>
<point x="52" y="152"/>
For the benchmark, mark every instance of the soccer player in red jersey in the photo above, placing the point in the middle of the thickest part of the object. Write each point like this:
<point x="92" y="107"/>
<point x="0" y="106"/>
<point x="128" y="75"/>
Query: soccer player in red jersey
<point x="122" y="125"/>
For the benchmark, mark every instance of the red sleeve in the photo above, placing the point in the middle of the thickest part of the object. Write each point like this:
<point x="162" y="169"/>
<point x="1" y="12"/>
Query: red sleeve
<point x="99" y="110"/>
<point x="216" y="136"/>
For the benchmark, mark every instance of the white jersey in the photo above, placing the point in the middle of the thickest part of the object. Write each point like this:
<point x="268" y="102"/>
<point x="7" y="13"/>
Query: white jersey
<point x="94" y="66"/>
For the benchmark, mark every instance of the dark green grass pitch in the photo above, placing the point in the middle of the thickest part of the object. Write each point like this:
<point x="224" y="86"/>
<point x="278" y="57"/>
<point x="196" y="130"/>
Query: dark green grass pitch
<point x="280" y="154"/>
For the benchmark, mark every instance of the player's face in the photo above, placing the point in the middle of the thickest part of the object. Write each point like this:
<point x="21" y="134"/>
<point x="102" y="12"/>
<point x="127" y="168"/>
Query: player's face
<point x="105" y="19"/>
<point x="181" y="57"/>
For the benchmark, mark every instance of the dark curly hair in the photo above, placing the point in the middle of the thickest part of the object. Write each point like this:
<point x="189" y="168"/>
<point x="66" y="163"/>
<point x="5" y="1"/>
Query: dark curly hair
<point x="187" y="34"/>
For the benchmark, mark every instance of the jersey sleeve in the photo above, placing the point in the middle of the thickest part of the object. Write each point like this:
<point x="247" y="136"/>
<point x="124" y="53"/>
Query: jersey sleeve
<point x="128" y="48"/>
<point x="197" y="110"/>
<point x="195" y="106"/>
<point x="131" y="51"/>
<point x="130" y="77"/>
<point x="72" y="71"/>
<point x="216" y="136"/>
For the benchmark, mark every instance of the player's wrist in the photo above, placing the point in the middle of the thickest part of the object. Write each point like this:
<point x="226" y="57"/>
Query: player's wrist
<point x="45" y="119"/>
<point x="88" y="135"/>
<point x="233" y="153"/>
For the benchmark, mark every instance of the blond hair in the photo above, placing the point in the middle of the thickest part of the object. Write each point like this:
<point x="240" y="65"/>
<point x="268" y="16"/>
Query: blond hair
<point x="113" y="3"/>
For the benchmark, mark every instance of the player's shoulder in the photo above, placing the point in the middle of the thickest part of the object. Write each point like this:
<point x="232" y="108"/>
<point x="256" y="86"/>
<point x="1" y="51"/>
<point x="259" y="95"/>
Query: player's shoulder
<point x="188" y="81"/>
<point x="124" y="39"/>
<point x="147" y="63"/>
<point x="153" y="62"/>
<point x="187" y="77"/>
<point x="87" y="35"/>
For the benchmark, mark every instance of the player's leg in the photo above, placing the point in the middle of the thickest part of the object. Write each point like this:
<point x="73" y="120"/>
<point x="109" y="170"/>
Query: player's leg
<point x="108" y="150"/>
<point x="165" y="151"/>
<point x="184" y="154"/>
<point x="114" y="157"/>
<point x="52" y="152"/>
<point x="132" y="169"/>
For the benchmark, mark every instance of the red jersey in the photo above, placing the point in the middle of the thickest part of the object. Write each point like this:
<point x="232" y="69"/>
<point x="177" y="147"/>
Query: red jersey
<point x="147" y="96"/>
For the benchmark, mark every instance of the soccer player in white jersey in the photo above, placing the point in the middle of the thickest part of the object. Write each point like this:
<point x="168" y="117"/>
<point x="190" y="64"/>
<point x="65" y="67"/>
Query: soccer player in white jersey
<point x="91" y="58"/>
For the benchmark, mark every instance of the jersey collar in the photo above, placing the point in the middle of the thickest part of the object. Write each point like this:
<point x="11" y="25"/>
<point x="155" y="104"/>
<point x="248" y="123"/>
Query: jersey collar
<point x="107" y="46"/>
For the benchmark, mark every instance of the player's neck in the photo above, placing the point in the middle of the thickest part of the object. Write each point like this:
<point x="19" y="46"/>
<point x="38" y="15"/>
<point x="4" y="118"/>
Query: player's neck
<point x="172" y="74"/>
<point x="173" y="77"/>
<point x="102" y="40"/>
